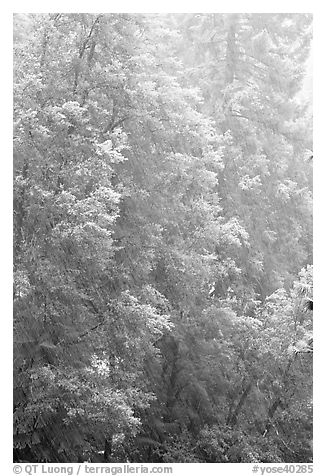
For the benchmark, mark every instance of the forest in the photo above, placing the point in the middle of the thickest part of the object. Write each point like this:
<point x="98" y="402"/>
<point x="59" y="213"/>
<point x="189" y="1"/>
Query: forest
<point x="162" y="209"/>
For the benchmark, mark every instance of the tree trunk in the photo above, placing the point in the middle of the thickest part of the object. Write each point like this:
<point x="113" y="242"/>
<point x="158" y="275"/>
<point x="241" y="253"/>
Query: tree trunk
<point x="232" y="418"/>
<point x="230" y="57"/>
<point x="278" y="401"/>
<point x="108" y="449"/>
<point x="270" y="415"/>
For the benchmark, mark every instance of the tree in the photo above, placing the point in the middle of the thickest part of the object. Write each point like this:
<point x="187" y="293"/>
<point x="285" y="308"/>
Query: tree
<point x="162" y="215"/>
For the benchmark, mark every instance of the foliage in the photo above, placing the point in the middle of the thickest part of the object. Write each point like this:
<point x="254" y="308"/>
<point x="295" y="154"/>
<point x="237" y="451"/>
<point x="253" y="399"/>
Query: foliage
<point x="162" y="225"/>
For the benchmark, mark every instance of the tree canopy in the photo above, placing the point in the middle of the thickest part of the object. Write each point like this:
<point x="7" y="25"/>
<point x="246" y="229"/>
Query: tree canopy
<point x="162" y="238"/>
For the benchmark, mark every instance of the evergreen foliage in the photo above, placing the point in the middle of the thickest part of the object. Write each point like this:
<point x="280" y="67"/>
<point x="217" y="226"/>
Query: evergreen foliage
<point x="163" y="238"/>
